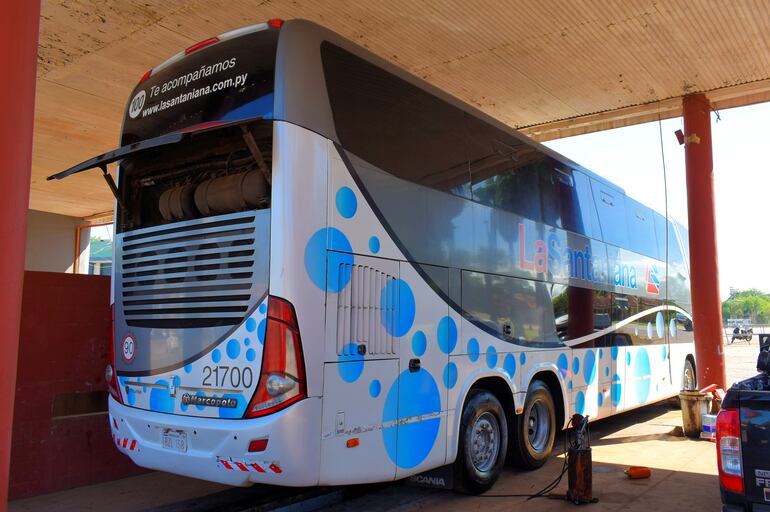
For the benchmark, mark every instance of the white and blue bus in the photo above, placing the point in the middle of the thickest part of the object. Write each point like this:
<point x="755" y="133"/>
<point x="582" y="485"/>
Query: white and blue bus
<point x="329" y="272"/>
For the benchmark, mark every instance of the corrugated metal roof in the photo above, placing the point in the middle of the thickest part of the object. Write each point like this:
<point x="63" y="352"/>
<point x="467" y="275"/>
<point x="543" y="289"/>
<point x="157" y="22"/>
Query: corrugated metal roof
<point x="554" y="68"/>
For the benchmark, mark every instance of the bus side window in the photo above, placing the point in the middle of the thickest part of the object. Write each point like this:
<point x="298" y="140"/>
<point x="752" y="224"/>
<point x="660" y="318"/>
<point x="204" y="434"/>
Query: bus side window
<point x="612" y="214"/>
<point x="395" y="126"/>
<point x="504" y="170"/>
<point x="660" y="234"/>
<point x="561" y="206"/>
<point x="641" y="230"/>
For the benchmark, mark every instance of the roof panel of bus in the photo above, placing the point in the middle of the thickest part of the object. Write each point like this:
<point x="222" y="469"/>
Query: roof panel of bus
<point x="552" y="69"/>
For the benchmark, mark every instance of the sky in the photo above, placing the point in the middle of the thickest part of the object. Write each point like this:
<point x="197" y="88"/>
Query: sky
<point x="633" y="158"/>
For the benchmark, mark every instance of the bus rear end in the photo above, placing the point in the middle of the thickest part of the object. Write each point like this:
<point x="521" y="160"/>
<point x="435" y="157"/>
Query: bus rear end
<point x="208" y="375"/>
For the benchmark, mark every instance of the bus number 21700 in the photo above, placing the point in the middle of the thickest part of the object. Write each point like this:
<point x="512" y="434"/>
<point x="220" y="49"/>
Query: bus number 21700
<point x="227" y="376"/>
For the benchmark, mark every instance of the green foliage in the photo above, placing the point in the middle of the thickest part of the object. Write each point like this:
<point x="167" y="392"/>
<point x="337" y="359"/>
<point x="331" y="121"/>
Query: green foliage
<point x="752" y="304"/>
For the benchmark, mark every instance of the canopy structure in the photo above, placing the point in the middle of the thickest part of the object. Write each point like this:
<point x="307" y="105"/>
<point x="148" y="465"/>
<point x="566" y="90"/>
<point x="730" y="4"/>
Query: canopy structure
<point x="552" y="69"/>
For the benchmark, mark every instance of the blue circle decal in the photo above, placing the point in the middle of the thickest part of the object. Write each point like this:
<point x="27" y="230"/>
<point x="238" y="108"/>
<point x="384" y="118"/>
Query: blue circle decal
<point x="233" y="348"/>
<point x="580" y="403"/>
<point x="397" y="296"/>
<point x="187" y="368"/>
<point x="447" y="335"/>
<point x="616" y="392"/>
<point x="575" y="366"/>
<point x="509" y="365"/>
<point x="672" y="328"/>
<point x="523" y="358"/>
<point x="261" y="330"/>
<point x="419" y="343"/>
<point x="251" y="324"/>
<point x="413" y="394"/>
<point x="450" y="375"/>
<point x="562" y="364"/>
<point x="351" y="363"/>
<point x="216" y="355"/>
<point x="600" y="398"/>
<point x="262" y="308"/>
<point x="660" y="325"/>
<point x="374" y="388"/>
<point x="315" y="259"/>
<point x="374" y="245"/>
<point x="614" y="351"/>
<point x="649" y="330"/>
<point x="473" y="350"/>
<point x="491" y="357"/>
<point x="642" y="374"/>
<point x="251" y="354"/>
<point x="160" y="398"/>
<point x="347" y="204"/>
<point x="589" y="367"/>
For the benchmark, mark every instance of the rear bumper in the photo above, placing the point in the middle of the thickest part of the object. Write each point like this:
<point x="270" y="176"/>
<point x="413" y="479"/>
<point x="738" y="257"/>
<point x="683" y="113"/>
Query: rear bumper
<point x="217" y="449"/>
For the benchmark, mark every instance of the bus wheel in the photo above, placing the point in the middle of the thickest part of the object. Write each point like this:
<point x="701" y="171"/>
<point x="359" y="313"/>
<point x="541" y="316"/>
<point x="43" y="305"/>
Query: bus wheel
<point x="689" y="380"/>
<point x="483" y="443"/>
<point x="535" y="428"/>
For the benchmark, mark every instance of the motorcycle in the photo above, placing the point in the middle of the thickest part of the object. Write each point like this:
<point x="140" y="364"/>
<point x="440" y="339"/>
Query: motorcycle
<point x="741" y="333"/>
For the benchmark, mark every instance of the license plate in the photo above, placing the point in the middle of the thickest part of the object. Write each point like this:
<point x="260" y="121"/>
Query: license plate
<point x="175" y="440"/>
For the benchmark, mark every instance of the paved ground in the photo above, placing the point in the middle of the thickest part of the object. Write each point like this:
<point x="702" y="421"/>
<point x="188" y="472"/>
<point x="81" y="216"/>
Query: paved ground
<point x="683" y="475"/>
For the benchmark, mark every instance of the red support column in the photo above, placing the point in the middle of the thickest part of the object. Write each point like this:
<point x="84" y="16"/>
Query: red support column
<point x="19" y="27"/>
<point x="704" y="270"/>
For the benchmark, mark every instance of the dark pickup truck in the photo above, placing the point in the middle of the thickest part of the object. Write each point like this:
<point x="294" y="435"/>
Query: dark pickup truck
<point x="743" y="440"/>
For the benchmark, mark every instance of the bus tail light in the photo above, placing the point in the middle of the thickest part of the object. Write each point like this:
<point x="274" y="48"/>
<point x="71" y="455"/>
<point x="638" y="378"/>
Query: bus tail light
<point x="110" y="375"/>
<point x="729" y="458"/>
<point x="275" y="23"/>
<point x="197" y="46"/>
<point x="282" y="379"/>
<point x="145" y="76"/>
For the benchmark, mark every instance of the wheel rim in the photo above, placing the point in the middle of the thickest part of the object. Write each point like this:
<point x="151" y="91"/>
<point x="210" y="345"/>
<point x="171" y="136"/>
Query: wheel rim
<point x="689" y="378"/>
<point x="538" y="425"/>
<point x="485" y="442"/>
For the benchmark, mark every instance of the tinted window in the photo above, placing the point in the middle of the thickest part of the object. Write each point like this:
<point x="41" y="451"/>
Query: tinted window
<point x="505" y="172"/>
<point x="394" y="125"/>
<point x="561" y="205"/>
<point x="579" y="312"/>
<point x="612" y="214"/>
<point x="641" y="229"/>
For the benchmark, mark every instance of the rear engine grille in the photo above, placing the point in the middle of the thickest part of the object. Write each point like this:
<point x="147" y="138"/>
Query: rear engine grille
<point x="189" y="274"/>
<point x="360" y="311"/>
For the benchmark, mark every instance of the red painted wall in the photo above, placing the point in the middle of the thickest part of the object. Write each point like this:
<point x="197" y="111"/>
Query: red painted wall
<point x="63" y="348"/>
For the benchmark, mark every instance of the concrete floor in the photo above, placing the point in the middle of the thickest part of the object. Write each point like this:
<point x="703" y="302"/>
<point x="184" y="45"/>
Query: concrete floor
<point x="684" y="474"/>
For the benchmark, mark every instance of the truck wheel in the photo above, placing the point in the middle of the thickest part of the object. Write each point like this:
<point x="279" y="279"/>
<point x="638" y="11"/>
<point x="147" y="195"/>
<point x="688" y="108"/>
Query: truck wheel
<point x="483" y="443"/>
<point x="535" y="428"/>
<point x="689" y="378"/>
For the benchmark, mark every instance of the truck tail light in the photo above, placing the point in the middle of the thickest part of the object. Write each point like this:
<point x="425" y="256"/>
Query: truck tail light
<point x="110" y="375"/>
<point x="729" y="451"/>
<point x="282" y="378"/>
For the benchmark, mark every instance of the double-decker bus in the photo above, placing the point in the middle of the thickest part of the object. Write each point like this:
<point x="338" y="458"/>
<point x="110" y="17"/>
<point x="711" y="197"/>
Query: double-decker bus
<point x="330" y="272"/>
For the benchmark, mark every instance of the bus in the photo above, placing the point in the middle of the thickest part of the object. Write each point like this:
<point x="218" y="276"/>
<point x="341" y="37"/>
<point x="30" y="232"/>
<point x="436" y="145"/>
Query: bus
<point x="329" y="272"/>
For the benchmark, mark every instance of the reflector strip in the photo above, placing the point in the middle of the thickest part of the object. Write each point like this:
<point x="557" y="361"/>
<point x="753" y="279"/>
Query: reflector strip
<point x="125" y="442"/>
<point x="250" y="467"/>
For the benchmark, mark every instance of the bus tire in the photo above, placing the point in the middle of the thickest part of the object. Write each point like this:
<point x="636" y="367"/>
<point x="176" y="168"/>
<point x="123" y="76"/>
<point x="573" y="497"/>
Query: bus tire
<point x="535" y="428"/>
<point x="483" y="443"/>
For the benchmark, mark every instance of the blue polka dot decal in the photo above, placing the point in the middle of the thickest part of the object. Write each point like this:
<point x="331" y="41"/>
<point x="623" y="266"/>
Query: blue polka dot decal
<point x="216" y="355"/>
<point x="447" y="335"/>
<point x="398" y="296"/>
<point x="600" y="398"/>
<point x="672" y="328"/>
<point x="374" y="245"/>
<point x="614" y="353"/>
<point x="642" y="373"/>
<point x="351" y="363"/>
<point x="523" y="358"/>
<point x="509" y="365"/>
<point x="575" y="366"/>
<point x="263" y="308"/>
<point x="616" y="390"/>
<point x="562" y="364"/>
<point x="664" y="352"/>
<point x="315" y="259"/>
<point x="375" y="388"/>
<point x="251" y="324"/>
<point x="347" y="204"/>
<point x="580" y="402"/>
<point x="160" y="399"/>
<point x="450" y="375"/>
<point x="413" y="394"/>
<point x="233" y="349"/>
<point x="261" y="331"/>
<point x="251" y="355"/>
<point x="187" y="368"/>
<point x="491" y="357"/>
<point x="589" y="367"/>
<point x="419" y="343"/>
<point x="649" y="330"/>
<point x="473" y="350"/>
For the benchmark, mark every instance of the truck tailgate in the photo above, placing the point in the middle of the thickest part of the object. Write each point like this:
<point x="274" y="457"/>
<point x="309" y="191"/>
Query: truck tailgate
<point x="755" y="433"/>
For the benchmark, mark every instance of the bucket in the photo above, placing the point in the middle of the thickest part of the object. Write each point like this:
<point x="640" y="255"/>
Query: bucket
<point x="694" y="405"/>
